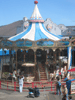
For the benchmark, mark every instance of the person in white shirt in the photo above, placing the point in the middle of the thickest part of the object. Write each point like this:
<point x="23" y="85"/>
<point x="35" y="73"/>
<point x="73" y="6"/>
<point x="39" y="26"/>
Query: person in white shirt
<point x="63" y="74"/>
<point x="57" y="73"/>
<point x="14" y="75"/>
<point x="21" y="83"/>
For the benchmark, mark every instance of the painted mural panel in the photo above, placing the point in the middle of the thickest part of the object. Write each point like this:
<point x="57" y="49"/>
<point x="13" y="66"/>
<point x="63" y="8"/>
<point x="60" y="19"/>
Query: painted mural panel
<point x="20" y="43"/>
<point x="6" y="43"/>
<point x="64" y="42"/>
<point x="23" y="43"/>
<point x="45" y="43"/>
<point x="28" y="43"/>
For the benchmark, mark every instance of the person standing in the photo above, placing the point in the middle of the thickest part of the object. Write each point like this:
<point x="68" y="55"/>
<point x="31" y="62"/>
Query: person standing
<point x="21" y="83"/>
<point x="58" y="86"/>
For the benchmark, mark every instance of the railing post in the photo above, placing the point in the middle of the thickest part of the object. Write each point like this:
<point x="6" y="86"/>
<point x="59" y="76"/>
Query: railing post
<point x="55" y="88"/>
<point x="0" y="84"/>
<point x="23" y="87"/>
<point x="42" y="86"/>
<point x="32" y="84"/>
<point x="44" y="91"/>
<point x="51" y="85"/>
<point x="7" y="85"/>
<point x="14" y="86"/>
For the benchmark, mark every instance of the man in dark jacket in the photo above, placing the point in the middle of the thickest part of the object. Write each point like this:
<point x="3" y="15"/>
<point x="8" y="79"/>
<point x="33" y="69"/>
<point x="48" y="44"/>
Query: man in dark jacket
<point x="36" y="92"/>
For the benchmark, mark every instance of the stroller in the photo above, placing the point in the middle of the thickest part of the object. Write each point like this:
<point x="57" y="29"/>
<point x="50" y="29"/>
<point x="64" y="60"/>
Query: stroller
<point x="31" y="93"/>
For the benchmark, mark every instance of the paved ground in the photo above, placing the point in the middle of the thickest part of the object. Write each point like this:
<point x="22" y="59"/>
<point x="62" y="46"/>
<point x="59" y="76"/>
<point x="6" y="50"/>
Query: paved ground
<point x="52" y="96"/>
<point x="11" y="95"/>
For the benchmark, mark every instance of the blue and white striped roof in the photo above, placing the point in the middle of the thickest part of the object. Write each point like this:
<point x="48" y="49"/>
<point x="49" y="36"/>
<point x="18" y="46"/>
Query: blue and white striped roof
<point x="35" y="32"/>
<point x="36" y="29"/>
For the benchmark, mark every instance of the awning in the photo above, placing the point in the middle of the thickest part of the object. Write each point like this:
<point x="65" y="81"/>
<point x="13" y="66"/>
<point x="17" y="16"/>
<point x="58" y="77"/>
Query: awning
<point x="71" y="70"/>
<point x="28" y="64"/>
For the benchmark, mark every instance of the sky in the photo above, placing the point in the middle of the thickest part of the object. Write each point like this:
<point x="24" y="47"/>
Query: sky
<point x="59" y="11"/>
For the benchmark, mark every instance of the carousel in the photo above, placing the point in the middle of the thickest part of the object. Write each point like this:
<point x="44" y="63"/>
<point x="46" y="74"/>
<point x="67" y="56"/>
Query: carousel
<point x="36" y="51"/>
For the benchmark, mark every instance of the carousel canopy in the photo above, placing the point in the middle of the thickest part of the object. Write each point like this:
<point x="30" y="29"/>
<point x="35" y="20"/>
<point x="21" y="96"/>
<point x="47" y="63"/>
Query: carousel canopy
<point x="36" y="29"/>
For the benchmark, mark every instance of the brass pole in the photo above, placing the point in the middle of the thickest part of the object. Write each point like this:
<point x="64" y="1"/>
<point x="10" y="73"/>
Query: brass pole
<point x="24" y="55"/>
<point x="73" y="58"/>
<point x="16" y="60"/>
<point x="35" y="64"/>
<point x="59" y="61"/>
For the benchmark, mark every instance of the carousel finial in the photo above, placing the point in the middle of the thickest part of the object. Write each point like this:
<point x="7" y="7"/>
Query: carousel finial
<point x="35" y="2"/>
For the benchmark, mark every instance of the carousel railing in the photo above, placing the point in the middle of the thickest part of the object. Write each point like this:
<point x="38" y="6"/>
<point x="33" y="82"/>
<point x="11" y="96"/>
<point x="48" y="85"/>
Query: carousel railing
<point x="14" y="86"/>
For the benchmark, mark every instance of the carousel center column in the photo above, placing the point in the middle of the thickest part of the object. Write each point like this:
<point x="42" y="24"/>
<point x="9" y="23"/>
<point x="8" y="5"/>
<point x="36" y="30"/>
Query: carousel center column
<point x="54" y="57"/>
<point x="35" y="56"/>
<point x="35" y="63"/>
<point x="24" y="55"/>
<point x="47" y="52"/>
<point x="59" y="60"/>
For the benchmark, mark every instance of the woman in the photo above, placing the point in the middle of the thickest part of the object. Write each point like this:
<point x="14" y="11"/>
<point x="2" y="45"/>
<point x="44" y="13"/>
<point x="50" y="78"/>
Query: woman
<point x="21" y="83"/>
